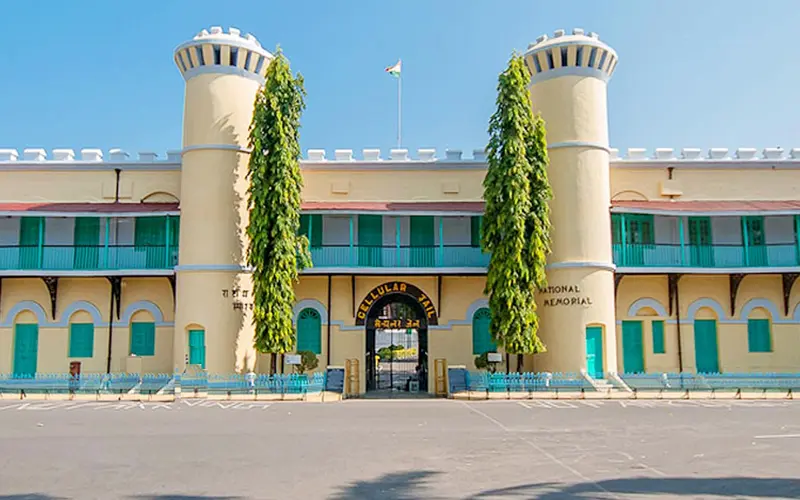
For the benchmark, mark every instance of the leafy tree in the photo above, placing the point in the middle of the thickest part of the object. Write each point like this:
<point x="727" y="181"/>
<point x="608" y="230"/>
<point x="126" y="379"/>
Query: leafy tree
<point x="516" y="227"/>
<point x="308" y="361"/>
<point x="276" y="252"/>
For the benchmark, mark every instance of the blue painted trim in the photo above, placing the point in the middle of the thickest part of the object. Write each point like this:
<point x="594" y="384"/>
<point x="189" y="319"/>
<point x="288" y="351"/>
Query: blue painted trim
<point x="474" y="307"/>
<point x="142" y="305"/>
<point x="647" y="302"/>
<point x="25" y="305"/>
<point x="223" y="70"/>
<point x="80" y="305"/>
<point x="224" y="147"/>
<point x="698" y="304"/>
<point x="569" y="71"/>
<point x="579" y="144"/>
<point x="577" y="264"/>
<point x="751" y="304"/>
<point x="310" y="304"/>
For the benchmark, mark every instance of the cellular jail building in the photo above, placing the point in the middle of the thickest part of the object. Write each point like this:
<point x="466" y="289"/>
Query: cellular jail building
<point x="662" y="261"/>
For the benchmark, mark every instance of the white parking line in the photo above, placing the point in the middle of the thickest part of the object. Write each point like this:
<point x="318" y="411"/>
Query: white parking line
<point x="778" y="436"/>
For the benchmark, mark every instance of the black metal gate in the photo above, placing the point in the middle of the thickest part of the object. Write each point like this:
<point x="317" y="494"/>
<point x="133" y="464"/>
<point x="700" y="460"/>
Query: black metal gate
<point x="397" y="351"/>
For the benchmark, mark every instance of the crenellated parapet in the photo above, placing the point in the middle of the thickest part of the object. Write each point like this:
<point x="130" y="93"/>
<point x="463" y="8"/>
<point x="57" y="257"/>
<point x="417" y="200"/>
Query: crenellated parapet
<point x="369" y="155"/>
<point x="579" y="53"/>
<point x="711" y="155"/>
<point x="218" y="51"/>
<point x="85" y="155"/>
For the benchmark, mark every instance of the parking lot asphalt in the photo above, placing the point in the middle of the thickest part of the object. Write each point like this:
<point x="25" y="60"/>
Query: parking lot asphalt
<point x="400" y="449"/>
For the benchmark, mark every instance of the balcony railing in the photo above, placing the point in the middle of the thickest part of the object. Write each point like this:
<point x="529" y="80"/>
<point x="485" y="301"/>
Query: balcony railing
<point x="87" y="258"/>
<point x="399" y="256"/>
<point x="706" y="256"/>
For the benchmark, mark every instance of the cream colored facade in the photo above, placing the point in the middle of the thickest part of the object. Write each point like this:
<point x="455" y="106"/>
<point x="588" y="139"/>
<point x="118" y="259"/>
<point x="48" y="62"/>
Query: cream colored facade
<point x="689" y="233"/>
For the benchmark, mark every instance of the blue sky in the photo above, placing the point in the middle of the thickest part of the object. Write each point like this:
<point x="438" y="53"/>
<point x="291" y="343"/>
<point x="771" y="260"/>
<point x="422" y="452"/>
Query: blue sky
<point x="711" y="73"/>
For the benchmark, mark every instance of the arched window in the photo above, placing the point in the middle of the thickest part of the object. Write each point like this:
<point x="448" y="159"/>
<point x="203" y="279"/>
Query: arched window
<point x="309" y="331"/>
<point x="481" y="338"/>
<point x="81" y="340"/>
<point x="143" y="334"/>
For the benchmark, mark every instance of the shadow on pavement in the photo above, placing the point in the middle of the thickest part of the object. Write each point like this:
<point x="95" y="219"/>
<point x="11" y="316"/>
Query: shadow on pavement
<point x="409" y="485"/>
<point x="755" y="487"/>
<point x="183" y="497"/>
<point x="30" y="496"/>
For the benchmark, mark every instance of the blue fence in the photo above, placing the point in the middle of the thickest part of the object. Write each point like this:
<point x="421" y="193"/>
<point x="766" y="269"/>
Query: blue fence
<point x="462" y="380"/>
<point x="711" y="381"/>
<point x="90" y="383"/>
<point x="293" y="383"/>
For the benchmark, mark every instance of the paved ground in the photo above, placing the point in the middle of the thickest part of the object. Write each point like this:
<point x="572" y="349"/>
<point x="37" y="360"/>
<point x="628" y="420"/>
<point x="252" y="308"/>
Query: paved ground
<point x="398" y="450"/>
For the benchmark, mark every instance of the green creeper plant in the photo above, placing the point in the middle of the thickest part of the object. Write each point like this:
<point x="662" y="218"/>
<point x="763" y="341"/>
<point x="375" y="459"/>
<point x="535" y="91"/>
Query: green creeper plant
<point x="516" y="225"/>
<point x="276" y="252"/>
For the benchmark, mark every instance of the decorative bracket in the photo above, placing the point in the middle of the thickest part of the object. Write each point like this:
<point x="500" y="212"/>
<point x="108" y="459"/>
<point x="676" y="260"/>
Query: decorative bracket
<point x="116" y="292"/>
<point x="788" y="280"/>
<point x="172" y="285"/>
<point x="672" y="290"/>
<point x="735" y="281"/>
<point x="617" y="280"/>
<point x="51" y="282"/>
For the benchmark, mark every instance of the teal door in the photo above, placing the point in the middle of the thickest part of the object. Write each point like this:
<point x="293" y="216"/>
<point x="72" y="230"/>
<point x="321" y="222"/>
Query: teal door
<point x="26" y="349"/>
<point x="701" y="251"/>
<point x="370" y="240"/>
<point x="632" y="347"/>
<point x="31" y="231"/>
<point x="423" y="248"/>
<point x="87" y="241"/>
<point x="755" y="240"/>
<point x="705" y="346"/>
<point x="594" y="351"/>
<point x="197" y="348"/>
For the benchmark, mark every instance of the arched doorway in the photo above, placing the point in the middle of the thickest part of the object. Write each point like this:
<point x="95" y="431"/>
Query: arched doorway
<point x="396" y="317"/>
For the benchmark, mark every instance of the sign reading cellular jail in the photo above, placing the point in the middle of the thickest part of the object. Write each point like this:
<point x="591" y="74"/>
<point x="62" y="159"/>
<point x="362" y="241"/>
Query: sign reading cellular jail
<point x="397" y="288"/>
<point x="566" y="295"/>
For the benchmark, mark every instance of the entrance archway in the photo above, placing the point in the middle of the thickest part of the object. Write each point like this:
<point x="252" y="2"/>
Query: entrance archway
<point x="396" y="317"/>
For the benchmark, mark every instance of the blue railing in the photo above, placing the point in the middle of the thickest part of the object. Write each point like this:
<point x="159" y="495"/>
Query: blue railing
<point x="89" y="383"/>
<point x="399" y="256"/>
<point x="706" y="256"/>
<point x="83" y="258"/>
<point x="711" y="381"/>
<point x="293" y="383"/>
<point x="483" y="381"/>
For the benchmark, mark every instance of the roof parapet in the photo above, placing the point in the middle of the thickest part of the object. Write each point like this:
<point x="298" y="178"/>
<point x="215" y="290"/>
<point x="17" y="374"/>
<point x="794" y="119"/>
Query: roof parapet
<point x="67" y="155"/>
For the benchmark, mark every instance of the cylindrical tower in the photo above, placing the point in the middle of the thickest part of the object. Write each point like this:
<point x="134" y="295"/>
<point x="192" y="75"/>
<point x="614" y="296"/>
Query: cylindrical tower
<point x="569" y="74"/>
<point x="223" y="72"/>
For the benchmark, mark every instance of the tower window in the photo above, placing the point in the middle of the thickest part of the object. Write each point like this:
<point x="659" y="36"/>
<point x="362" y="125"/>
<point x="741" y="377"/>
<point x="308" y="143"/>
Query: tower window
<point x="200" y="57"/>
<point x="260" y="63"/>
<point x="187" y="59"/>
<point x="234" y="56"/>
<point x="536" y="63"/>
<point x="579" y="56"/>
<point x="592" y="57"/>
<point x="217" y="55"/>
<point x="564" y="57"/>
<point x="602" y="60"/>
<point x="180" y="63"/>
<point x="247" y="60"/>
<point x="550" y="64"/>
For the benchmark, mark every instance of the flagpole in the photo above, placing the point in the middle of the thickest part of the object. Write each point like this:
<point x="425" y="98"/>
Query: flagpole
<point x="399" y="110"/>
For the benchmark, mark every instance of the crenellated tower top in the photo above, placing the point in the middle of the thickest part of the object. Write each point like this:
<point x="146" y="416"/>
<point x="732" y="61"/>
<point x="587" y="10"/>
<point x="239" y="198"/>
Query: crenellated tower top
<point x="577" y="54"/>
<point x="215" y="51"/>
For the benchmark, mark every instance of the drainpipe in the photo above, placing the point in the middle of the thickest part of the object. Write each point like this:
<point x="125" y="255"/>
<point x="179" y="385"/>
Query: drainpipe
<point x="328" y="311"/>
<point x="118" y="173"/>
<point x="678" y="317"/>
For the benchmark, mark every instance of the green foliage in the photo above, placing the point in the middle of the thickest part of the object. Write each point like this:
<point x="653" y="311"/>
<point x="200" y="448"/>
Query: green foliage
<point x="516" y="226"/>
<point x="308" y="361"/>
<point x="276" y="252"/>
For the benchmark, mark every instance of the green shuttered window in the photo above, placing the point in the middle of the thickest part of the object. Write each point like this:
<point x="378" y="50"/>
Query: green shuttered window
<point x="81" y="340"/>
<point x="481" y="334"/>
<point x="311" y="226"/>
<point x="759" y="338"/>
<point x="309" y="331"/>
<point x="658" y="337"/>
<point x="143" y="338"/>
<point x="476" y="222"/>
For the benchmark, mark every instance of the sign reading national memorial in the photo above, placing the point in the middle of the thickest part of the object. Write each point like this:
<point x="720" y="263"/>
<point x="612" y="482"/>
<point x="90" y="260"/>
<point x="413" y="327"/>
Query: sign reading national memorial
<point x="565" y="295"/>
<point x="396" y="288"/>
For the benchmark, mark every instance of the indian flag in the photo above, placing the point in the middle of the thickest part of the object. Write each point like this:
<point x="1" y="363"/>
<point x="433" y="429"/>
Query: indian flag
<point x="395" y="70"/>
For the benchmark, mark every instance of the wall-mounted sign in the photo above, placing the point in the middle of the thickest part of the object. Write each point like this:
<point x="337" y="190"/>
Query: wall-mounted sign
<point x="235" y="294"/>
<point x="397" y="288"/>
<point x="566" y="295"/>
<point x="291" y="359"/>
<point x="396" y="323"/>
<point x="494" y="357"/>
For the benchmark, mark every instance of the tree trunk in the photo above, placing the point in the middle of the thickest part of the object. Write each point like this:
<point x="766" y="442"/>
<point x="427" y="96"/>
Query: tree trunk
<point x="520" y="362"/>
<point x="273" y="363"/>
